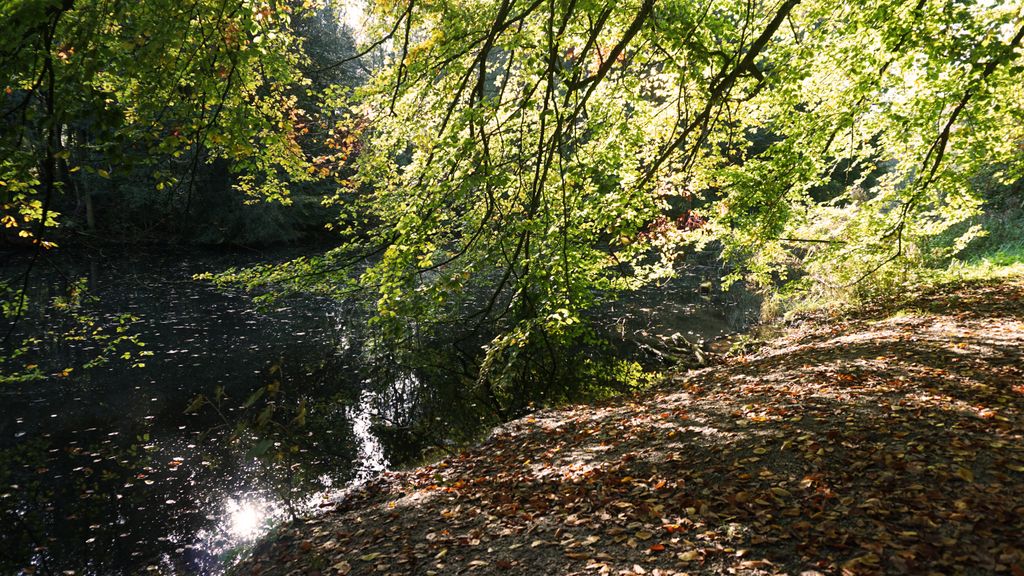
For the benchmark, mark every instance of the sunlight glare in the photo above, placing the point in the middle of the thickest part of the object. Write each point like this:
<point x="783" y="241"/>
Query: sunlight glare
<point x="245" y="518"/>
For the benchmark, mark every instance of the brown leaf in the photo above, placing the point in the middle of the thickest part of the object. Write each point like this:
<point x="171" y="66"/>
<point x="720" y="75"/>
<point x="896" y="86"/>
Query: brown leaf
<point x="755" y="564"/>
<point x="860" y="564"/>
<point x="964" y="474"/>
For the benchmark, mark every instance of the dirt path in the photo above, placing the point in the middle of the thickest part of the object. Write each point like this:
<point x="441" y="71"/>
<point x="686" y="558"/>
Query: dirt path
<point x="888" y="444"/>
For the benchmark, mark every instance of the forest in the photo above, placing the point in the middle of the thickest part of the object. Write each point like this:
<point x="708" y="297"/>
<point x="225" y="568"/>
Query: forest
<point x="630" y="287"/>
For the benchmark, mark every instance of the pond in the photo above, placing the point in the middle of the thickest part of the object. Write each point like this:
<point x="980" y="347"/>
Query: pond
<point x="106" y="470"/>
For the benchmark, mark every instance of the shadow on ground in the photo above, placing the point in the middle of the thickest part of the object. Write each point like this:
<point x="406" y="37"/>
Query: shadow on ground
<point x="888" y="444"/>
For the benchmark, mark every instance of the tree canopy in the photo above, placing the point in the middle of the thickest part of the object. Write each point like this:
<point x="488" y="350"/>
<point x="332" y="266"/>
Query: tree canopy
<point x="550" y="152"/>
<point x="517" y="161"/>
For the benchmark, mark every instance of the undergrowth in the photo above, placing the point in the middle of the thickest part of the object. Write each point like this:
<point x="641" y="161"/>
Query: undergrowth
<point x="997" y="253"/>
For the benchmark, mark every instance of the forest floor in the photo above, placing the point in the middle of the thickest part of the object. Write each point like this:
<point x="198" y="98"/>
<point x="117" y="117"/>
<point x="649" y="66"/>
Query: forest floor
<point x="891" y="442"/>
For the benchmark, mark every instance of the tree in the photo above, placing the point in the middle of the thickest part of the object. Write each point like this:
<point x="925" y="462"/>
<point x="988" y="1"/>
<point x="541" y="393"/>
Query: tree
<point x="521" y="160"/>
<point x="525" y="156"/>
<point x="93" y="87"/>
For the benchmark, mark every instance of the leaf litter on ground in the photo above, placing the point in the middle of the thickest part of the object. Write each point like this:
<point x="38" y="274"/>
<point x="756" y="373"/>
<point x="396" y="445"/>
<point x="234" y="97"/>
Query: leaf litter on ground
<point x="887" y="444"/>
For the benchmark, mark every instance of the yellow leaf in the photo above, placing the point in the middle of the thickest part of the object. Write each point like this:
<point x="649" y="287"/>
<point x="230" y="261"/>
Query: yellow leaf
<point x="965" y="474"/>
<point x="689" y="556"/>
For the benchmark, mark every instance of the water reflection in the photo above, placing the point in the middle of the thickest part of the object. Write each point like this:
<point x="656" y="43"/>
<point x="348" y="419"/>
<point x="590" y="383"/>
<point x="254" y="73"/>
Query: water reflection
<point x="247" y="519"/>
<point x="371" y="451"/>
<point x="103" y="472"/>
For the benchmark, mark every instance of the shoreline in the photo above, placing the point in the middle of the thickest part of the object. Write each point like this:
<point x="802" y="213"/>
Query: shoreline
<point x="886" y="442"/>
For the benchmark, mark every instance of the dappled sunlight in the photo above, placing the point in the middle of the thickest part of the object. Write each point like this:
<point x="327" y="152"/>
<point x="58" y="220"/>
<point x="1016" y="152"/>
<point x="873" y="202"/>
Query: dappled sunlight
<point x="261" y="258"/>
<point x="874" y="453"/>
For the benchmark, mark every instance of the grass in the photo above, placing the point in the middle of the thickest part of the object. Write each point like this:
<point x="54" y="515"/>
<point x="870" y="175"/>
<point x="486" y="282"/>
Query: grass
<point x="998" y="257"/>
<point x="1003" y="262"/>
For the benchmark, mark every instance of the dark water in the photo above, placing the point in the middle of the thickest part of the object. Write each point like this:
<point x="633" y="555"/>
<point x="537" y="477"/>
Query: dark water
<point x="102" y="471"/>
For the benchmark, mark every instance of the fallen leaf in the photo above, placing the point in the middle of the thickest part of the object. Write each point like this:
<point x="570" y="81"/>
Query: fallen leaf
<point x="964" y="474"/>
<point x="689" y="556"/>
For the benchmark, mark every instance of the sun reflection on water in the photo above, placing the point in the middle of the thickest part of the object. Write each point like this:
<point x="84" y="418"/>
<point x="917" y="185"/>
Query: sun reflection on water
<point x="245" y="518"/>
<point x="371" y="452"/>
